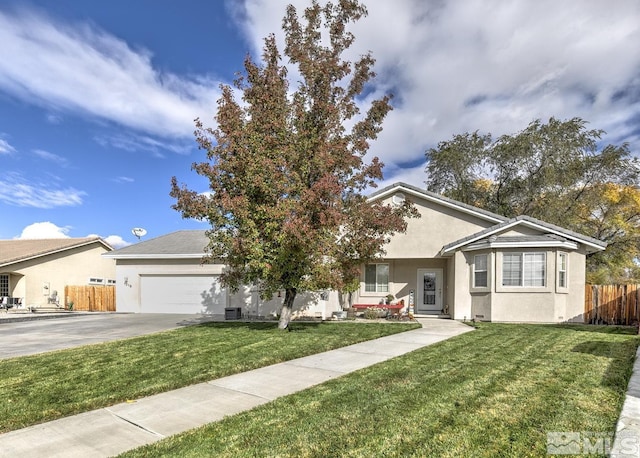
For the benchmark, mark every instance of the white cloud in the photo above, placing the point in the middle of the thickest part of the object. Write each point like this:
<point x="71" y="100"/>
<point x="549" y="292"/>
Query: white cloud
<point x="53" y="118"/>
<point x="20" y="192"/>
<point x="51" y="157"/>
<point x="44" y="230"/>
<point x="49" y="230"/>
<point x="490" y="65"/>
<point x="123" y="180"/>
<point x="6" y="148"/>
<point x="81" y="68"/>
<point x="114" y="240"/>
<point x="132" y="142"/>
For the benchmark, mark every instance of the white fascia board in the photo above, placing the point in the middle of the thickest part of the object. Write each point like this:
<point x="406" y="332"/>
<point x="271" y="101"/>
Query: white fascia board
<point x="479" y="237"/>
<point x="444" y="203"/>
<point x="550" y="244"/>
<point x="544" y="229"/>
<point x="561" y="234"/>
<point x="154" y="256"/>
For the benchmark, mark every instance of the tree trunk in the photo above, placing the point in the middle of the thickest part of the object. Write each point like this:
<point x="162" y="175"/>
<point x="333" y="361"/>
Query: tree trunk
<point x="287" y="308"/>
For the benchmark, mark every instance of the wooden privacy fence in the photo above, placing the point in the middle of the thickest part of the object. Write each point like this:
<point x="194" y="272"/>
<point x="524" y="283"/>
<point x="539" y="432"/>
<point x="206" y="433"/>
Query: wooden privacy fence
<point x="612" y="304"/>
<point x="91" y="298"/>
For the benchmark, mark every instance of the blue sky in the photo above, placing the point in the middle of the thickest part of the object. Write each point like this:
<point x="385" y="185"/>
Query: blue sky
<point x="97" y="99"/>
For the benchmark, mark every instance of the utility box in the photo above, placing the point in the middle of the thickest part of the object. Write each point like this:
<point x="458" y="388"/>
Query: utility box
<point x="232" y="313"/>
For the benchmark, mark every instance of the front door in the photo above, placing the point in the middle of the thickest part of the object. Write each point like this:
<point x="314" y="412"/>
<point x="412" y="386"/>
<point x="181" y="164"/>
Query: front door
<point x="429" y="291"/>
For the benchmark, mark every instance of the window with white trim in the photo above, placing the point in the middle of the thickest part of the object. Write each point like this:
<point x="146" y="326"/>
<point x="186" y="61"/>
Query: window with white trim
<point x="562" y="270"/>
<point x="376" y="278"/>
<point x="524" y="269"/>
<point x="480" y="271"/>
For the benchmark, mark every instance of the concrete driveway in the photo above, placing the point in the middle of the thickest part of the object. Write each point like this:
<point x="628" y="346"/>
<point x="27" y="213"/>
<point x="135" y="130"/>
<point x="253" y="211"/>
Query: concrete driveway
<point x="42" y="335"/>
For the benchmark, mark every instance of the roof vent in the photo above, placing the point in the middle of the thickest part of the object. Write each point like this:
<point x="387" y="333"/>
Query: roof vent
<point x="398" y="198"/>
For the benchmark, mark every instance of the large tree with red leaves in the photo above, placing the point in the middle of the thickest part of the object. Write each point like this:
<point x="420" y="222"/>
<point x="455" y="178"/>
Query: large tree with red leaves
<point x="287" y="176"/>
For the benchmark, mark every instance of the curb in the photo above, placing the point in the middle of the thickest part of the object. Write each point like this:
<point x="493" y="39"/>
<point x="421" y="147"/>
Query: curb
<point x="34" y="316"/>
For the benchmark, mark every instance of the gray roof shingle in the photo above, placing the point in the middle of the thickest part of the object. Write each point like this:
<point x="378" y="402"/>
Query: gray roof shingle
<point x="438" y="198"/>
<point x="595" y="244"/>
<point x="183" y="244"/>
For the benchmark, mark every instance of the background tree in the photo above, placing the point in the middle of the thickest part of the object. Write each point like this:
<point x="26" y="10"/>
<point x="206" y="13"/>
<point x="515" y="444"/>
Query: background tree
<point x="455" y="167"/>
<point x="611" y="212"/>
<point x="555" y="172"/>
<point x="286" y="207"/>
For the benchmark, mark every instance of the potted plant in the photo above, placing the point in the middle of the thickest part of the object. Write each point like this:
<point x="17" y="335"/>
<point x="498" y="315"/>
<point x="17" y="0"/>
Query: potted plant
<point x="389" y="298"/>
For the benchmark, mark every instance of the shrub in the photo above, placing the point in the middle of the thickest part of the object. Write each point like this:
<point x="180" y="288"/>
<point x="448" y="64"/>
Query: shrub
<point x="373" y="313"/>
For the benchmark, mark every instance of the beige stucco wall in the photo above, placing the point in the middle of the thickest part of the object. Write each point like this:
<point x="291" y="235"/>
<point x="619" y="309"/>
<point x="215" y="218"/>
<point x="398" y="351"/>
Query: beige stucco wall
<point x="548" y="304"/>
<point x="437" y="226"/>
<point x="461" y="305"/>
<point x="71" y="267"/>
<point x="313" y="304"/>
<point x="481" y="306"/>
<point x="403" y="277"/>
<point x="574" y="308"/>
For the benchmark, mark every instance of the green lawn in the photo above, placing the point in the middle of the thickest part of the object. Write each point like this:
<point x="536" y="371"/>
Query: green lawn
<point x="496" y="391"/>
<point x="51" y="385"/>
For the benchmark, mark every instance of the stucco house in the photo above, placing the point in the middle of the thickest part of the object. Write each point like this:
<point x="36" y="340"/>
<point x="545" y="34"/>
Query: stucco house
<point x="36" y="271"/>
<point x="467" y="263"/>
<point x="456" y="260"/>
<point x="166" y="275"/>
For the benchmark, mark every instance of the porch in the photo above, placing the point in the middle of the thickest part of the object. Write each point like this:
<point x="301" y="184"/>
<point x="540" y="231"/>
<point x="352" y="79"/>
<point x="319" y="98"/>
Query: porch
<point x="420" y="285"/>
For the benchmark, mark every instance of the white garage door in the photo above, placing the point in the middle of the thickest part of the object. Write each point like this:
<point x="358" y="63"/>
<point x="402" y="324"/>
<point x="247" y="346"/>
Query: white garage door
<point x="182" y="294"/>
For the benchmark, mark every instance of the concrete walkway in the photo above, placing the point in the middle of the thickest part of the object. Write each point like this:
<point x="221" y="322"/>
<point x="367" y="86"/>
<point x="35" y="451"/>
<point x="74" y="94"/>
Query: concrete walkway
<point x="116" y="429"/>
<point x="626" y="442"/>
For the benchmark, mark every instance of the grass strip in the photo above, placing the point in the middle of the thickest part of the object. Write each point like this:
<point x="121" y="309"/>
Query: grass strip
<point x="51" y="385"/>
<point x="494" y="392"/>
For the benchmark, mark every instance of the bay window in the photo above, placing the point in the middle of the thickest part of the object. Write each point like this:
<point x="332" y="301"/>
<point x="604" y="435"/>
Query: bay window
<point x="524" y="269"/>
<point x="562" y="270"/>
<point x="480" y="271"/>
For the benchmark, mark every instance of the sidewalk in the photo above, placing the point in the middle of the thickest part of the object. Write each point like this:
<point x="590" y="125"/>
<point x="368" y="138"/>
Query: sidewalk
<point x="116" y="429"/>
<point x="627" y="438"/>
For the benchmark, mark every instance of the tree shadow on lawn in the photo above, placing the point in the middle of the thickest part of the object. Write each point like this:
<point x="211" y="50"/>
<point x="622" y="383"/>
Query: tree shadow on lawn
<point x="258" y="325"/>
<point x="621" y="355"/>
<point x="600" y="328"/>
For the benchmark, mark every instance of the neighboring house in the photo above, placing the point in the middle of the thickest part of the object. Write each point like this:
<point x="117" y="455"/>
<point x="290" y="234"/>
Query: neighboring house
<point x="455" y="260"/>
<point x="37" y="270"/>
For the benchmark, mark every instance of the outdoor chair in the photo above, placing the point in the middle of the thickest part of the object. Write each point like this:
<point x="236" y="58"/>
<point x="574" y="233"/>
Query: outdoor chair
<point x="5" y="303"/>
<point x="53" y="299"/>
